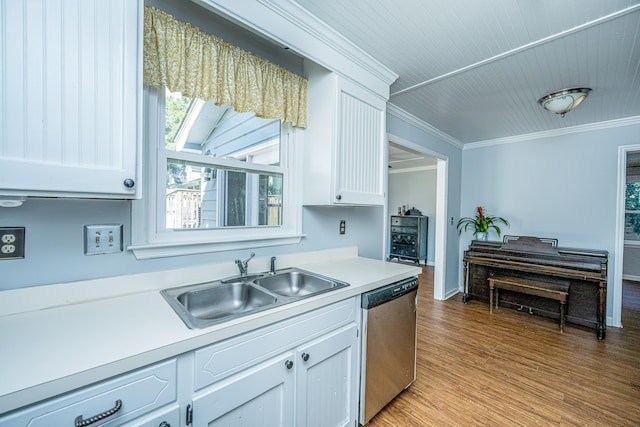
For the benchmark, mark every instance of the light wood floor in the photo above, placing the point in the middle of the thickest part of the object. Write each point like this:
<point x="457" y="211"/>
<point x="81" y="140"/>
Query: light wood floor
<point x="511" y="368"/>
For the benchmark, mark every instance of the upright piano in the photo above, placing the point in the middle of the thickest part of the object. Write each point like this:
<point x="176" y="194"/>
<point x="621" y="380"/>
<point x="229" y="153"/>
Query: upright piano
<point x="536" y="258"/>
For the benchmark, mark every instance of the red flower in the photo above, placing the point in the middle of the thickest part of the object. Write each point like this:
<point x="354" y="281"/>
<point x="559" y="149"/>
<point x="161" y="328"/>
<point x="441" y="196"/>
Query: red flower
<point x="479" y="211"/>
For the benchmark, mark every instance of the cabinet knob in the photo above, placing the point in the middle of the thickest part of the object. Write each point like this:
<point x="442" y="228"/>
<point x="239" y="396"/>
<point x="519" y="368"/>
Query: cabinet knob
<point x="129" y="183"/>
<point x="305" y="356"/>
<point x="164" y="424"/>
<point x="288" y="364"/>
<point x="339" y="197"/>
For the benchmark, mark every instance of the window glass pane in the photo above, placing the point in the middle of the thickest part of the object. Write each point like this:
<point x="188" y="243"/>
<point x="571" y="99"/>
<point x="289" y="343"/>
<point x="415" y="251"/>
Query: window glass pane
<point x="632" y="214"/>
<point x="271" y="200"/>
<point x="632" y="226"/>
<point x="236" y="195"/>
<point x="203" y="196"/>
<point x="201" y="127"/>
<point x="632" y="196"/>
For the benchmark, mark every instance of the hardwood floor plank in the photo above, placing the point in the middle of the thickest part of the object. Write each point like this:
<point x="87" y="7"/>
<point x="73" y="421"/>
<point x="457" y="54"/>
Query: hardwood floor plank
<point x="512" y="368"/>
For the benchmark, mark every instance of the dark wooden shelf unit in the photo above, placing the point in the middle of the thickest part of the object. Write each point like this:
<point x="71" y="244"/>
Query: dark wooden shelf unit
<point x="409" y="238"/>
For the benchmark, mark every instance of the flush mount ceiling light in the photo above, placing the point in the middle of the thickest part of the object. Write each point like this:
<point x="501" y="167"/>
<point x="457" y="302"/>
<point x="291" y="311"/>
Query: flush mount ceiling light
<point x="563" y="101"/>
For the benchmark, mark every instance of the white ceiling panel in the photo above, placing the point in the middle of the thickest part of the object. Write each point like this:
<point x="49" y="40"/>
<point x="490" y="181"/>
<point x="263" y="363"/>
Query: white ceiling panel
<point x="474" y="69"/>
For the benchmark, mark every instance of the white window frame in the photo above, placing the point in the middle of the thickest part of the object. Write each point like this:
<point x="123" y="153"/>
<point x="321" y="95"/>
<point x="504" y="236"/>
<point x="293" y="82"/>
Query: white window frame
<point x="149" y="236"/>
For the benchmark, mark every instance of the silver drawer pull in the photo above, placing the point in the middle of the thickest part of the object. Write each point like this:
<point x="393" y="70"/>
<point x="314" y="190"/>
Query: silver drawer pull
<point x="82" y="423"/>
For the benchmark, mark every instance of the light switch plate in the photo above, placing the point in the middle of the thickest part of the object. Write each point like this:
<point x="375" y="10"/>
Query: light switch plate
<point x="102" y="239"/>
<point x="11" y="243"/>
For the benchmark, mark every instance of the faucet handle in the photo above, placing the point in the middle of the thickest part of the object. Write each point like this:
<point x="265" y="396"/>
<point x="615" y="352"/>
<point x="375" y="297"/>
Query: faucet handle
<point x="251" y="255"/>
<point x="243" y="265"/>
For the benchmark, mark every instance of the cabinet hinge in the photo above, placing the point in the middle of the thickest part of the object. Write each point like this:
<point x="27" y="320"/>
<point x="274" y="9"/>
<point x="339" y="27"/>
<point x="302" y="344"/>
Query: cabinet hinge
<point x="189" y="419"/>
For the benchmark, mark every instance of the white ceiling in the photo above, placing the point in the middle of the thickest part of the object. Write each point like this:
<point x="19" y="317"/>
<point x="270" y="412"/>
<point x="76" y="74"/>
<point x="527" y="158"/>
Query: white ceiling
<point x="404" y="158"/>
<point x="475" y="69"/>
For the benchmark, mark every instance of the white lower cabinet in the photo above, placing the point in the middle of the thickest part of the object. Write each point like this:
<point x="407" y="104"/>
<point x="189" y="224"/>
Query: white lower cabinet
<point x="299" y="372"/>
<point x="311" y="386"/>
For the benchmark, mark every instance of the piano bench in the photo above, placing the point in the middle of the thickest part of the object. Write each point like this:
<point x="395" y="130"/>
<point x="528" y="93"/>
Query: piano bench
<point x="557" y="290"/>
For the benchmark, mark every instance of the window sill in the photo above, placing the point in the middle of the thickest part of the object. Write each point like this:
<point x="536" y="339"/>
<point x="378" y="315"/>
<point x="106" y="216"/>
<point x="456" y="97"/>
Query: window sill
<point x="635" y="243"/>
<point x="166" y="249"/>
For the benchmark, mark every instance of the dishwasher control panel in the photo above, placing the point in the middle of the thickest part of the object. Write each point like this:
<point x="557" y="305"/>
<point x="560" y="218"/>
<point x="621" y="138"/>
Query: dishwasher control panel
<point x="388" y="292"/>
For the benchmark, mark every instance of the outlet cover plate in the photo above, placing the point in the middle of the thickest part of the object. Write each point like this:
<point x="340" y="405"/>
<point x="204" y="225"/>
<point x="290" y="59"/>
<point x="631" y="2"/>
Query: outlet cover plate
<point x="102" y="239"/>
<point x="11" y="243"/>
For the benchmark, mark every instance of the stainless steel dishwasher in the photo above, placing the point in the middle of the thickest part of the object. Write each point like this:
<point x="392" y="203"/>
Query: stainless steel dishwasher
<point x="388" y="344"/>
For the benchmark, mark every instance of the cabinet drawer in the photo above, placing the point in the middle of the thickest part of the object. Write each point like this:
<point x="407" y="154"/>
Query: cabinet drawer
<point x="225" y="358"/>
<point x="405" y="221"/>
<point x="140" y="392"/>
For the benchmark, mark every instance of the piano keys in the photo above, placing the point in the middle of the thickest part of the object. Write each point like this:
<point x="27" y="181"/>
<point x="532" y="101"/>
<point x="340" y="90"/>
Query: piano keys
<point x="535" y="258"/>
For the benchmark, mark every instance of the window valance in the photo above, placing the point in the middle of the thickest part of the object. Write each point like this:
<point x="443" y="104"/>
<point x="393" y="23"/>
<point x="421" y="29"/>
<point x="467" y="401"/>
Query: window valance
<point x="200" y="65"/>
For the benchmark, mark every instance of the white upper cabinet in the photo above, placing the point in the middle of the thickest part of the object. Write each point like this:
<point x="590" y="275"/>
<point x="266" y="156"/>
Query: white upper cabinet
<point x="344" y="162"/>
<point x="70" y="94"/>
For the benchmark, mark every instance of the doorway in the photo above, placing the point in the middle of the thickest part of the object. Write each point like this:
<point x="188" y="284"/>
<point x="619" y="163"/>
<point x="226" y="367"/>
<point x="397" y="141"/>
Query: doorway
<point x="627" y="263"/>
<point x="410" y="159"/>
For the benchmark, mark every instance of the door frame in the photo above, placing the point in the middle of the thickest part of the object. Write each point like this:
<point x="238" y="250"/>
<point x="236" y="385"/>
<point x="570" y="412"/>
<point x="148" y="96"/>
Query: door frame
<point x="616" y="316"/>
<point x="440" y="238"/>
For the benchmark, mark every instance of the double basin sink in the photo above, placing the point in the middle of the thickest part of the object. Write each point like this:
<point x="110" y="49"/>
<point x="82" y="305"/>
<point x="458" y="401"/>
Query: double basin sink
<point x="205" y="304"/>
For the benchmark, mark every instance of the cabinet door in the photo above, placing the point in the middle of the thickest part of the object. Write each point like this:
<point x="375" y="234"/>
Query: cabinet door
<point x="262" y="396"/>
<point x="359" y="156"/>
<point x="327" y="382"/>
<point x="70" y="90"/>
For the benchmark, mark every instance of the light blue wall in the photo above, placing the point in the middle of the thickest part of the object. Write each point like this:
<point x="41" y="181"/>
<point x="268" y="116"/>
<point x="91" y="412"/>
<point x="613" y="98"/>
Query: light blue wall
<point x="416" y="189"/>
<point x="560" y="187"/>
<point x="419" y="136"/>
<point x="54" y="249"/>
<point x="364" y="229"/>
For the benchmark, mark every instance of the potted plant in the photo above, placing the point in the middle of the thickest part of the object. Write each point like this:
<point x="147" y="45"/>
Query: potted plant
<point x="481" y="224"/>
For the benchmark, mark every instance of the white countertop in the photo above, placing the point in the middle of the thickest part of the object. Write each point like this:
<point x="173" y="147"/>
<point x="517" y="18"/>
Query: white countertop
<point x="58" y="338"/>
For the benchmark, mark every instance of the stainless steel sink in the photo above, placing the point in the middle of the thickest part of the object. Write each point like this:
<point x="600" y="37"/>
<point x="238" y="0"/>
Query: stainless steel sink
<point x="206" y="304"/>
<point x="297" y="283"/>
<point x="209" y="303"/>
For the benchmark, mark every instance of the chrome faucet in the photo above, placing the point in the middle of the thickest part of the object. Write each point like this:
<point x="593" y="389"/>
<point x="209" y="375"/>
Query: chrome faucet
<point x="272" y="269"/>
<point x="243" y="266"/>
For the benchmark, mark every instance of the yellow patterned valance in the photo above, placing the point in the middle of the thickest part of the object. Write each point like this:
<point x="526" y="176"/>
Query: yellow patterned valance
<point x="188" y="60"/>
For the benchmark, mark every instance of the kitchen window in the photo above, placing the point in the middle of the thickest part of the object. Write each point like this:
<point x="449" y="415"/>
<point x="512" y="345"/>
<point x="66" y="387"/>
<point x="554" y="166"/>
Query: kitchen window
<point x="220" y="137"/>
<point x="215" y="179"/>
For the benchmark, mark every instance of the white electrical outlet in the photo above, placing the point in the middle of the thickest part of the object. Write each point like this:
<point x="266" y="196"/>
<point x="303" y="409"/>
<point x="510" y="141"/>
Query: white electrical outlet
<point x="8" y="238"/>
<point x="8" y="249"/>
<point x="11" y="242"/>
<point x="102" y="239"/>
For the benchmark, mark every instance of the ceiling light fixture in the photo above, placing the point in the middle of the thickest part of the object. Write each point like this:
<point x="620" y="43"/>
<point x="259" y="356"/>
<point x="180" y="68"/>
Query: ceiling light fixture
<point x="563" y="101"/>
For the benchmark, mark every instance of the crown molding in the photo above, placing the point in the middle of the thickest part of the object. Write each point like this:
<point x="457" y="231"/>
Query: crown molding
<point x="409" y="118"/>
<point x="555" y="132"/>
